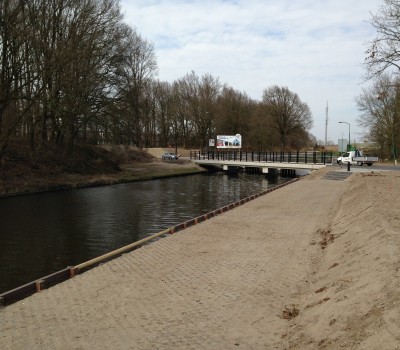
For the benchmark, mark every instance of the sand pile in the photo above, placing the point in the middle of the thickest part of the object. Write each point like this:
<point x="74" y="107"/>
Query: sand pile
<point x="353" y="298"/>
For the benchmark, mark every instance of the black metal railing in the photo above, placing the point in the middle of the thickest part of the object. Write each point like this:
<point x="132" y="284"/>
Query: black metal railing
<point x="312" y="157"/>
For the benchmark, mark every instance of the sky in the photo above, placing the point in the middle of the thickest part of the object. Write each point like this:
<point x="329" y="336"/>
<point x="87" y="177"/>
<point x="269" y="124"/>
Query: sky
<point x="316" y="48"/>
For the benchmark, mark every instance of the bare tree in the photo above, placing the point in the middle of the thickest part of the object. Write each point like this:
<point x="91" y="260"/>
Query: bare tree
<point x="182" y="118"/>
<point x="380" y="113"/>
<point x="289" y="114"/>
<point x="233" y="113"/>
<point x="65" y="66"/>
<point x="134" y="76"/>
<point x="209" y="91"/>
<point x="201" y="96"/>
<point x="164" y="111"/>
<point x="89" y="54"/>
<point x="72" y="54"/>
<point x="261" y="135"/>
<point x="383" y="53"/>
<point x="14" y="103"/>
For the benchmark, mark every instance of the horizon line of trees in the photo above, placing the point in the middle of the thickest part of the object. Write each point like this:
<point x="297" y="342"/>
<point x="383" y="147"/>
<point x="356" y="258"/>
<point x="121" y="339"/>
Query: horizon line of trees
<point x="72" y="72"/>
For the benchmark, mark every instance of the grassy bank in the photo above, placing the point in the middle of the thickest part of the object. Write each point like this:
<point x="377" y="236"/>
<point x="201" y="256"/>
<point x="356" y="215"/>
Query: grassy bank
<point x="23" y="173"/>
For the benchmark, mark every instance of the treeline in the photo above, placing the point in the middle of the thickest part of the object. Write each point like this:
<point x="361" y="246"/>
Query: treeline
<point x="73" y="72"/>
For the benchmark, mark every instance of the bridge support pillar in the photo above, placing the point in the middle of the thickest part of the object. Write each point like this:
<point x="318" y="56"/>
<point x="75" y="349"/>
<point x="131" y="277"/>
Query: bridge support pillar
<point x="225" y="167"/>
<point x="264" y="170"/>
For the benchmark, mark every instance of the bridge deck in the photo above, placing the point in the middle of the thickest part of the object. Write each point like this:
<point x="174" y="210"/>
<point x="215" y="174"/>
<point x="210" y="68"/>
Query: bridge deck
<point x="272" y="165"/>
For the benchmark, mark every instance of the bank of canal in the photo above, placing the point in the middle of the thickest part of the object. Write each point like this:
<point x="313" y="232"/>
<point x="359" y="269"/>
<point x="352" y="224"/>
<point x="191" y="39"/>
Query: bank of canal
<point x="46" y="232"/>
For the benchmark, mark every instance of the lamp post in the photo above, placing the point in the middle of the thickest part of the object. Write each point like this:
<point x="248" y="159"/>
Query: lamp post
<point x="393" y="146"/>
<point x="348" y="147"/>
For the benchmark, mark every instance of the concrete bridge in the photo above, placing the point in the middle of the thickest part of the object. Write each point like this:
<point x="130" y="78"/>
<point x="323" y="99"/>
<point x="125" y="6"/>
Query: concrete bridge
<point x="264" y="162"/>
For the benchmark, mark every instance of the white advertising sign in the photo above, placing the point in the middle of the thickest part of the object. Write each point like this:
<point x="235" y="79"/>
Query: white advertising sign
<point x="226" y="141"/>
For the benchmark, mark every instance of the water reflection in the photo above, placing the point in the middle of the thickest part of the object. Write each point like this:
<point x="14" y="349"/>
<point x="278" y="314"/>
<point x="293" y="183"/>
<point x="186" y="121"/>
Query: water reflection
<point x="46" y="232"/>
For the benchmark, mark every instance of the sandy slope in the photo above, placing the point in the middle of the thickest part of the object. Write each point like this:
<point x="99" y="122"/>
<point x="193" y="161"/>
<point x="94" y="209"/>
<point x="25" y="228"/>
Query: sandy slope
<point x="314" y="265"/>
<point x="353" y="299"/>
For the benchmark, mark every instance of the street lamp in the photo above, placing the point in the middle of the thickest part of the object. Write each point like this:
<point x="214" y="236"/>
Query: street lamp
<point x="348" y="148"/>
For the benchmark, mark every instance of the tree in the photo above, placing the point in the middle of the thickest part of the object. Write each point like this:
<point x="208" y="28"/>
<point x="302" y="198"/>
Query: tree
<point x="199" y="99"/>
<point x="15" y="77"/>
<point x="134" y="75"/>
<point x="87" y="55"/>
<point x="261" y="136"/>
<point x="183" y="118"/>
<point x="164" y="111"/>
<point x="72" y="71"/>
<point x="383" y="53"/>
<point x="209" y="89"/>
<point x="380" y="113"/>
<point x="288" y="113"/>
<point x="233" y="112"/>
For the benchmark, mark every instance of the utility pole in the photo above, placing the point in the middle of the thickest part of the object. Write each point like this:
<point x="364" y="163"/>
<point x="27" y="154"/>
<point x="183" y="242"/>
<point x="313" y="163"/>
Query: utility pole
<point x="326" y="126"/>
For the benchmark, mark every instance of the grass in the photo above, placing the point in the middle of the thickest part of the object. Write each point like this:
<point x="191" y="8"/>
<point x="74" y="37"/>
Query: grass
<point x="88" y="166"/>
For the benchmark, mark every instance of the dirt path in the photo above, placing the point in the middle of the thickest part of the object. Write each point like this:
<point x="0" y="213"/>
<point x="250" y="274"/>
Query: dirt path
<point x="314" y="265"/>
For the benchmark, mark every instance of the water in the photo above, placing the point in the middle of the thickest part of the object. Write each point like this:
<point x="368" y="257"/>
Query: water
<point x="44" y="233"/>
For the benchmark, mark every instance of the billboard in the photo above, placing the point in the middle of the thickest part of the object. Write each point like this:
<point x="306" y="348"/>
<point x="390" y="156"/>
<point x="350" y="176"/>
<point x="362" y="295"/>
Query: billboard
<point x="225" y="141"/>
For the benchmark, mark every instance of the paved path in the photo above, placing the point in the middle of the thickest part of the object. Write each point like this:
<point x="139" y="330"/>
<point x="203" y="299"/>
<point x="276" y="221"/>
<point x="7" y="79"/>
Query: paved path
<point x="227" y="283"/>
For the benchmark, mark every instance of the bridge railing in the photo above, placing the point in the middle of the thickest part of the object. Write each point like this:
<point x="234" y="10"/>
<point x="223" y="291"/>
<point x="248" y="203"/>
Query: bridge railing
<point x="313" y="157"/>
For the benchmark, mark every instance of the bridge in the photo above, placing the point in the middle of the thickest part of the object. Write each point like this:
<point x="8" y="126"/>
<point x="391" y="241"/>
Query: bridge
<point x="288" y="162"/>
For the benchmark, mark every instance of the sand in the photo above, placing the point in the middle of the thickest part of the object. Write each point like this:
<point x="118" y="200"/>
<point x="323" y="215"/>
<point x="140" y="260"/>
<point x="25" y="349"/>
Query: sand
<point x="313" y="265"/>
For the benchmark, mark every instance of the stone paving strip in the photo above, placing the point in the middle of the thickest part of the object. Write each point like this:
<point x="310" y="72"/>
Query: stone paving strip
<point x="226" y="283"/>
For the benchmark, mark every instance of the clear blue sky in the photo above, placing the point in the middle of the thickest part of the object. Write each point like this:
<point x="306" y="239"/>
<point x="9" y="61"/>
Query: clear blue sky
<point x="314" y="47"/>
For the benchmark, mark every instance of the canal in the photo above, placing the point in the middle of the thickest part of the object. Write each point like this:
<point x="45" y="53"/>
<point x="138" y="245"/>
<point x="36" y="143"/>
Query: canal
<point x="44" y="233"/>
